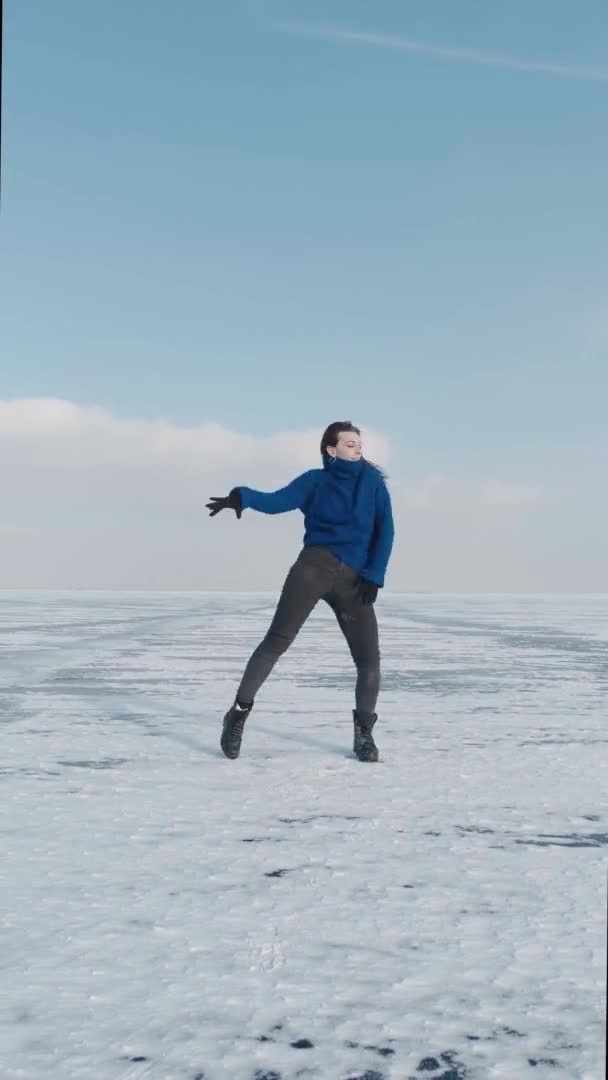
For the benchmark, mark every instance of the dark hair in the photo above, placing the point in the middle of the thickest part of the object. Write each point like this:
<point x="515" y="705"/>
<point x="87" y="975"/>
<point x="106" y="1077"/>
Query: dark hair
<point x="332" y="433"/>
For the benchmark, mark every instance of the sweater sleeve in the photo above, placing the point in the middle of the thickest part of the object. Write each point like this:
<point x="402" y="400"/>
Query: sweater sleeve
<point x="382" y="540"/>
<point x="291" y="497"/>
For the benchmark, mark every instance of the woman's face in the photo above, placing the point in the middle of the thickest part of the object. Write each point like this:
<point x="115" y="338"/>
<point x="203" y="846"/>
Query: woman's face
<point x="348" y="448"/>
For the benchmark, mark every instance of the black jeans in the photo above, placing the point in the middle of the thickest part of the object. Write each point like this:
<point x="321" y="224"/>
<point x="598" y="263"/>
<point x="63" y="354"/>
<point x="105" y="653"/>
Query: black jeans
<point x="318" y="574"/>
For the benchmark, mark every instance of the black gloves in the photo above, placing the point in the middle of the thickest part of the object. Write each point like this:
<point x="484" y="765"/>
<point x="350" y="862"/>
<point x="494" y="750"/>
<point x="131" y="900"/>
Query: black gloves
<point x="367" y="590"/>
<point x="232" y="502"/>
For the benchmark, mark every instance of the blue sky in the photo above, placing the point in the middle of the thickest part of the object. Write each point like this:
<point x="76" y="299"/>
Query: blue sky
<point x="211" y="215"/>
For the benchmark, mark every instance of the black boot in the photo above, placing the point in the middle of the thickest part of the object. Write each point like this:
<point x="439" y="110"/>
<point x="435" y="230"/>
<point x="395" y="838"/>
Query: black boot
<point x="232" y="731"/>
<point x="364" y="745"/>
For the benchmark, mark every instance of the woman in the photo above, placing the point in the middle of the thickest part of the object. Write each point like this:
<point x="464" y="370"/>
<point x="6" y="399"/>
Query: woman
<point x="347" y="543"/>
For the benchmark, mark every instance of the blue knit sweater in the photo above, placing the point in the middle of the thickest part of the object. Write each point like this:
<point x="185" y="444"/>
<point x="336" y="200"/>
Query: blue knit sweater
<point x="346" y="505"/>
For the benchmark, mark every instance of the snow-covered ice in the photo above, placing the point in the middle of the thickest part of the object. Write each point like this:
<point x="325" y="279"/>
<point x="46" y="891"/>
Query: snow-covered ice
<point x="167" y="913"/>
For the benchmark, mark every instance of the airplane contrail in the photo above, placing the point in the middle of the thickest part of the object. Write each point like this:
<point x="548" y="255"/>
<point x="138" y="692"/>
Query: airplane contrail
<point x="442" y="52"/>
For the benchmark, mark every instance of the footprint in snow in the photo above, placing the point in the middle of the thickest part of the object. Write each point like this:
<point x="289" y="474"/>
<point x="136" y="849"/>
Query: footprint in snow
<point x="455" y="1070"/>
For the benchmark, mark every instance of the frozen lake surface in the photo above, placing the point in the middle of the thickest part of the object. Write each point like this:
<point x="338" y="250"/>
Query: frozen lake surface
<point x="167" y="913"/>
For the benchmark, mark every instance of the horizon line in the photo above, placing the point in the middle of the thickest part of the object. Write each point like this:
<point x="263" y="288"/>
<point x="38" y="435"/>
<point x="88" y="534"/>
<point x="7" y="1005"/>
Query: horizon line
<point x="274" y="591"/>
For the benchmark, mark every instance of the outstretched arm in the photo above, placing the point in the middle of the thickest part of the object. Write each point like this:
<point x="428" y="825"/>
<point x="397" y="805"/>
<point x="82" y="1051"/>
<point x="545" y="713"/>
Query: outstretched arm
<point x="291" y="497"/>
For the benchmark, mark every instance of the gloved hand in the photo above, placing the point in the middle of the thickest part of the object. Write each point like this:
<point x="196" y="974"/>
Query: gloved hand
<point x="232" y="502"/>
<point x="367" y="590"/>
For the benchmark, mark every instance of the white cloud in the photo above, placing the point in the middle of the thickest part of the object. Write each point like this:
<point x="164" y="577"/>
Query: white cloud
<point x="56" y="427"/>
<point x="442" y="52"/>
<point x="89" y="499"/>
<point x="437" y="493"/>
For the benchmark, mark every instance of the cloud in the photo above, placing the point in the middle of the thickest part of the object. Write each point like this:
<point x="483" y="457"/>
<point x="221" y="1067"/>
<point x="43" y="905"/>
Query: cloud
<point x="93" y="500"/>
<point x="442" y="52"/>
<point x="90" y="499"/>
<point x="73" y="447"/>
<point x="436" y="493"/>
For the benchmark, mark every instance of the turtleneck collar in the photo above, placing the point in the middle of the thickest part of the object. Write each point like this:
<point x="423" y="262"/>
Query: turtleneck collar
<point x="341" y="467"/>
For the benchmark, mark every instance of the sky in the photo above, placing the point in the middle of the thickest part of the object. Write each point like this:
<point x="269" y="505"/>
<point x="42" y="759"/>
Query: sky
<point x="225" y="226"/>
